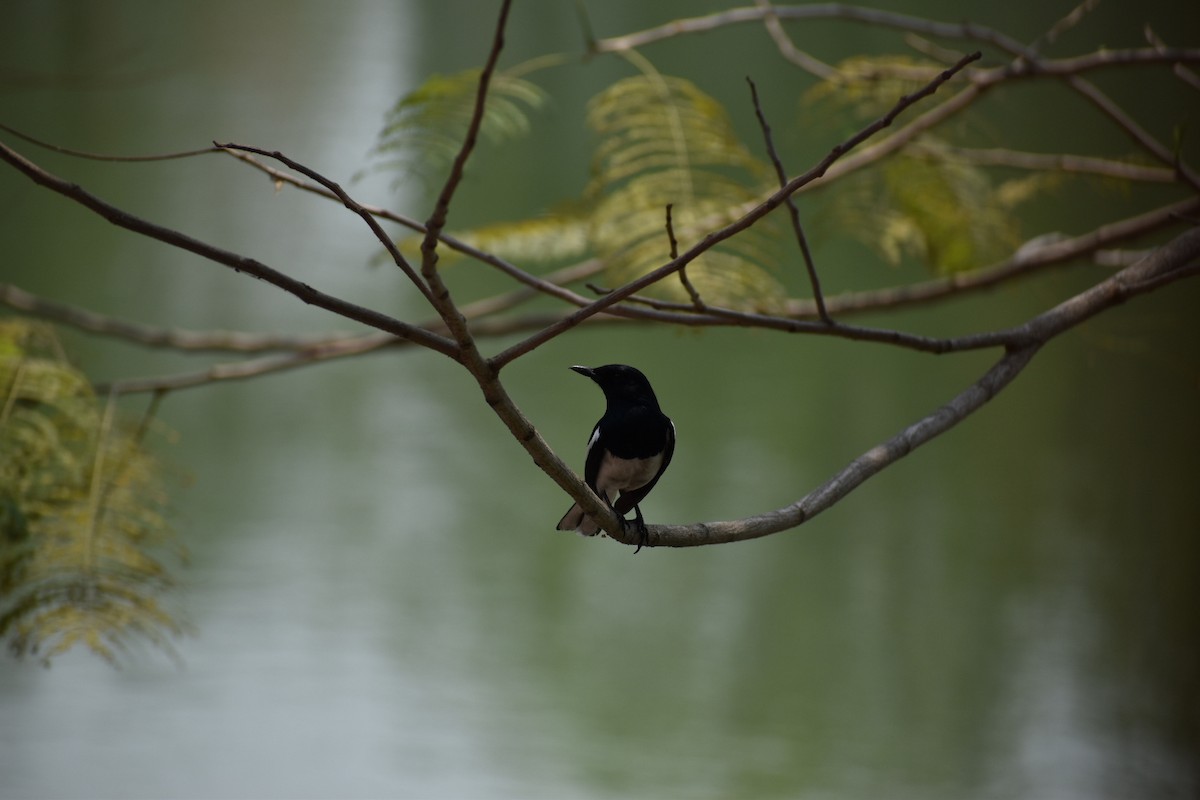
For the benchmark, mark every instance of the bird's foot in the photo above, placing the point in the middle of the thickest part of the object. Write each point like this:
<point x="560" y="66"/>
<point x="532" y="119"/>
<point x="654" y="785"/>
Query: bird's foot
<point x="639" y="525"/>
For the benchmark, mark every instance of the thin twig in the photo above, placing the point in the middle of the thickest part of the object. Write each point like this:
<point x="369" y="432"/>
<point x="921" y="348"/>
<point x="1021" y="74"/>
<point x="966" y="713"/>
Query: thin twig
<point x="1073" y="18"/>
<point x="348" y="202"/>
<point x="793" y="212"/>
<point x="1133" y="130"/>
<point x="787" y="48"/>
<point x="102" y="156"/>
<point x="549" y="285"/>
<point x="697" y="302"/>
<point x="1183" y="73"/>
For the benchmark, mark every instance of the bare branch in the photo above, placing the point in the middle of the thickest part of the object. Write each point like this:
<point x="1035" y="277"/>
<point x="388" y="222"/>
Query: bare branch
<point x="348" y="202"/>
<point x="1073" y="18"/>
<point x="787" y="48"/>
<point x="1056" y="251"/>
<point x="855" y="473"/>
<point x="964" y="31"/>
<point x="1048" y="162"/>
<point x="744" y="222"/>
<point x="1135" y="131"/>
<point x="151" y="336"/>
<point x="1183" y="73"/>
<point x="1174" y="261"/>
<point x="793" y="212"/>
<point x="550" y="285"/>
<point x="235" y="261"/>
<point x="101" y="156"/>
<point x="328" y="350"/>
<point x="437" y="220"/>
<point x="253" y="368"/>
<point x="697" y="302"/>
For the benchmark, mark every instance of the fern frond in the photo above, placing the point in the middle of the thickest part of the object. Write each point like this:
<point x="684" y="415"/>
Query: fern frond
<point x="424" y="130"/>
<point x="664" y="142"/>
<point x="944" y="212"/>
<point x="83" y="517"/>
<point x="650" y="123"/>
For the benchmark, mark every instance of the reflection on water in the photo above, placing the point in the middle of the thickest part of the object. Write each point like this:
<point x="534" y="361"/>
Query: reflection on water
<point x="383" y="609"/>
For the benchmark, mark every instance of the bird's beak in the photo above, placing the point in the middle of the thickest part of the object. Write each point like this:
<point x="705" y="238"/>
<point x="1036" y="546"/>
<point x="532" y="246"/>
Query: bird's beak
<point x="587" y="372"/>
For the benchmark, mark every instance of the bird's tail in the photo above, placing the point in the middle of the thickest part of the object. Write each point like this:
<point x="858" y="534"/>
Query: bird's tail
<point x="575" y="520"/>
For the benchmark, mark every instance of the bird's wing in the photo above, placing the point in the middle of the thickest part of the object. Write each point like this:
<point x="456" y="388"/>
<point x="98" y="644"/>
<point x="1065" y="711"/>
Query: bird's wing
<point x="628" y="500"/>
<point x="595" y="455"/>
<point x="574" y="519"/>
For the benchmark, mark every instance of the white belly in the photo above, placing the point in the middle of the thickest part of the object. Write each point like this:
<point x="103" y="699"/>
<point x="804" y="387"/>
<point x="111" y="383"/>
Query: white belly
<point x="625" y="474"/>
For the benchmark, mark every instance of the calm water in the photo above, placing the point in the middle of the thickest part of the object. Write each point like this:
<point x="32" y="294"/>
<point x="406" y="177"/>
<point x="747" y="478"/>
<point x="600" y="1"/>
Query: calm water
<point x="380" y="604"/>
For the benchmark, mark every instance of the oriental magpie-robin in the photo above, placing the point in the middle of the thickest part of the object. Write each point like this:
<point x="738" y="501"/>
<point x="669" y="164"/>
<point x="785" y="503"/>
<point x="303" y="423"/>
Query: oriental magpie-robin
<point x="630" y="447"/>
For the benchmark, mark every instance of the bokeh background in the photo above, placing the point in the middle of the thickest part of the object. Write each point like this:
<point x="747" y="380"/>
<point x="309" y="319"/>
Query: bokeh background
<point x="379" y="604"/>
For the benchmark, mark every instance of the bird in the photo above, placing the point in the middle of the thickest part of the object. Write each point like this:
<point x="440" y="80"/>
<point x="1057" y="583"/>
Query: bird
<point x="629" y="449"/>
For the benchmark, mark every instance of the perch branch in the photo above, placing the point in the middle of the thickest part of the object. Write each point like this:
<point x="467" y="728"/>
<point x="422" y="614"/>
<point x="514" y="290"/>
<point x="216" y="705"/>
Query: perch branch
<point x="1173" y="261"/>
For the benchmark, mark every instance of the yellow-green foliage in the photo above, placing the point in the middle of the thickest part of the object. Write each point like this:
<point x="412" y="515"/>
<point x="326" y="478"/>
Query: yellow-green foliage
<point x="866" y="87"/>
<point x="424" y="130"/>
<point x="661" y="141"/>
<point x="81" y="511"/>
<point x="939" y="210"/>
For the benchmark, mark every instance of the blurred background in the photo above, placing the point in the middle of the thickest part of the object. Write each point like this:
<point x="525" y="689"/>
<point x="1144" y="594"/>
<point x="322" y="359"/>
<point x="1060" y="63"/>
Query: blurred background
<point x="379" y="603"/>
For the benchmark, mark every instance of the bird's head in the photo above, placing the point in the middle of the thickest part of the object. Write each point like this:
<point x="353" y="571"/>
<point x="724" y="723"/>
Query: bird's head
<point x="621" y="382"/>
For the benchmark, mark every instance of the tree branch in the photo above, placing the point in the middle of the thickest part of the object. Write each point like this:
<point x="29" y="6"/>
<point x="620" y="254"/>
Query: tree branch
<point x="1173" y="261"/>
<point x="238" y="263"/>
<point x="151" y="336"/>
<point x="440" y="298"/>
<point x="1045" y="162"/>
<point x="739" y="225"/>
<point x="349" y="202"/>
<point x="464" y="324"/>
<point x="793" y="212"/>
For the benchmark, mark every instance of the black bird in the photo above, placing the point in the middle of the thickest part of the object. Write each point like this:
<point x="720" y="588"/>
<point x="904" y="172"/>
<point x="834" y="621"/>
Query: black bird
<point x="630" y="448"/>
